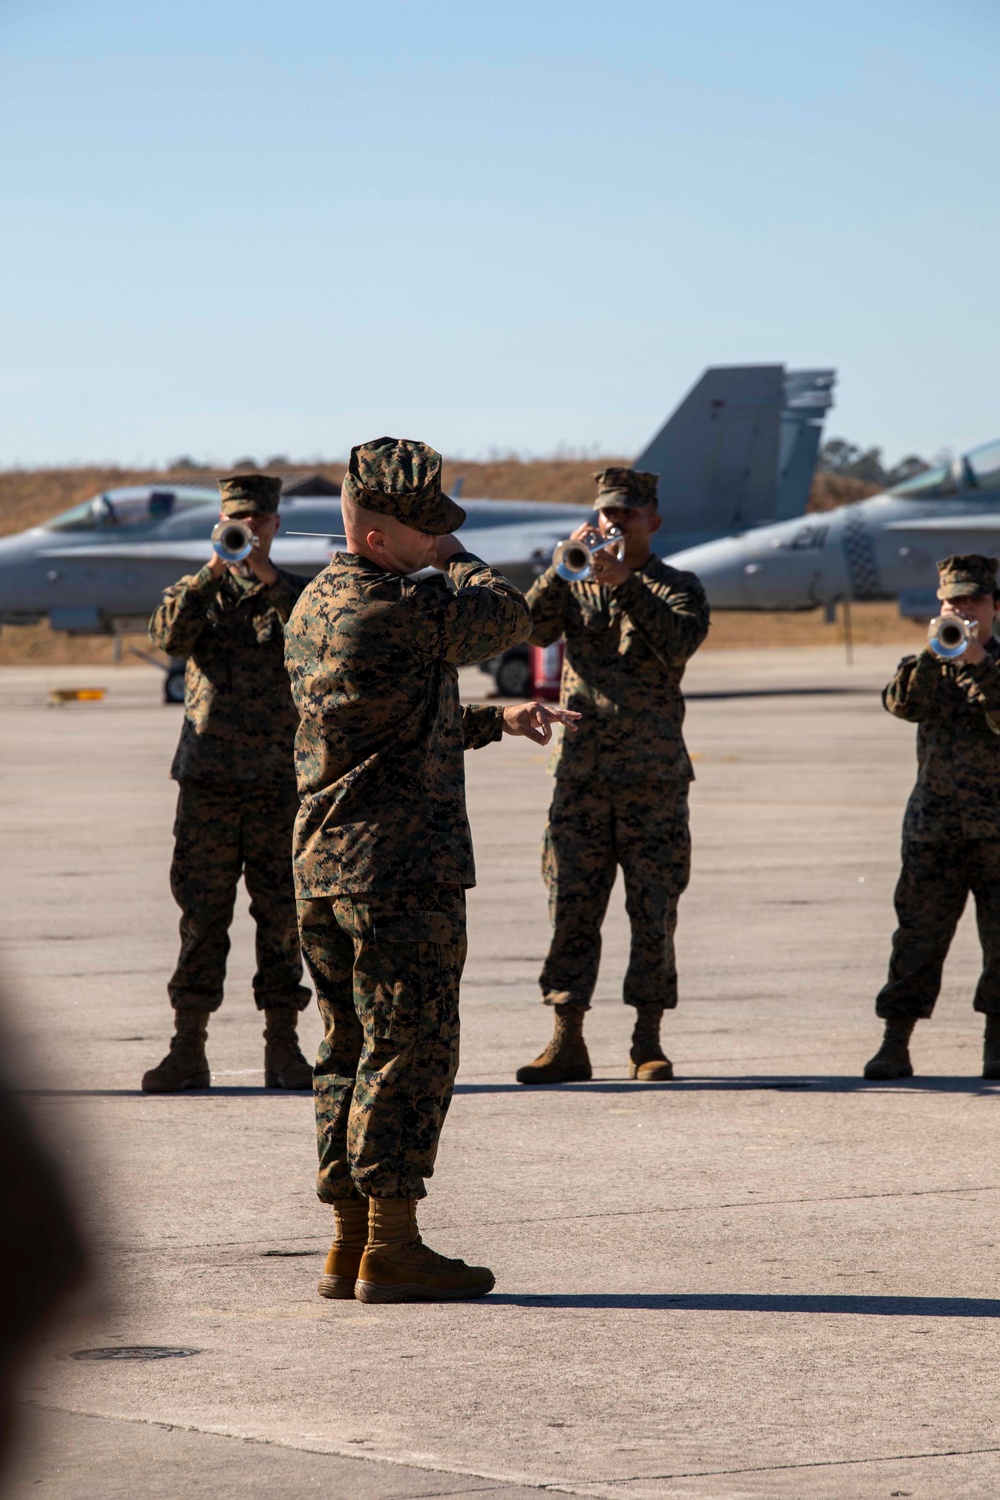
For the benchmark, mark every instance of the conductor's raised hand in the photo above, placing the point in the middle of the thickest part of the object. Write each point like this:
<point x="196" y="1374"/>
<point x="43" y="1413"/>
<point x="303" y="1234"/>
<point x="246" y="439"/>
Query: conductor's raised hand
<point x="534" y="720"/>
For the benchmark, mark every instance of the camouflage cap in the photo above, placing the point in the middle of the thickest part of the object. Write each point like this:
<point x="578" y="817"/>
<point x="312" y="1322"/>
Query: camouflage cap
<point x="256" y="492"/>
<point x="967" y="573"/>
<point x="401" y="478"/>
<point x="629" y="488"/>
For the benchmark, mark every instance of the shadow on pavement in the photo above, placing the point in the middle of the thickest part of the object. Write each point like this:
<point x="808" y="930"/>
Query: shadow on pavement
<point x="878" y="1307"/>
<point x="217" y="1091"/>
<point x="818" y="1083"/>
<point x="779" y="692"/>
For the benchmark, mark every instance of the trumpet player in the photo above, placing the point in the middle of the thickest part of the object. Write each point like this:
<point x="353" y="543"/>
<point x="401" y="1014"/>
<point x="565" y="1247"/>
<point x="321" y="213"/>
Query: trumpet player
<point x="951" y="830"/>
<point x="621" y="781"/>
<point x="237" y="796"/>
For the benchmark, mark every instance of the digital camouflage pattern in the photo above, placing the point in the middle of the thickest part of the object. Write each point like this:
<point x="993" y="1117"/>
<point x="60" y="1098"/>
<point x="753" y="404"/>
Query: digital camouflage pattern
<point x="626" y="650"/>
<point x="373" y="659"/>
<point x="966" y="573"/>
<point x="250" y="492"/>
<point x="631" y="488"/>
<point x="239" y="718"/>
<point x="220" y="833"/>
<point x="401" y="478"/>
<point x="387" y="971"/>
<point x="957" y="791"/>
<point x="951" y="830"/>
<point x="931" y="893"/>
<point x="622" y="778"/>
<point x="593" y="827"/>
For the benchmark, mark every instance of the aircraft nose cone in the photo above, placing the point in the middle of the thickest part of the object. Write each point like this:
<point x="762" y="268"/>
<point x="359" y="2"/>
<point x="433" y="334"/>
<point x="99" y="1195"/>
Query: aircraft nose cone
<point x="723" y="569"/>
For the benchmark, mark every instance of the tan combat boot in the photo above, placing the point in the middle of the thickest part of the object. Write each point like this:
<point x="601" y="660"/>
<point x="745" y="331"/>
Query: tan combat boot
<point x="185" y="1065"/>
<point x="991" y="1048"/>
<point x="398" y="1267"/>
<point x="892" y="1060"/>
<point x="284" y="1065"/>
<point x="565" y="1059"/>
<point x="647" y="1060"/>
<point x="350" y="1235"/>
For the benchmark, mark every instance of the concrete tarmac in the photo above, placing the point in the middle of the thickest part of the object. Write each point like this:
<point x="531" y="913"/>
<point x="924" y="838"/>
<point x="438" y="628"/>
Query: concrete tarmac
<point x="767" y="1278"/>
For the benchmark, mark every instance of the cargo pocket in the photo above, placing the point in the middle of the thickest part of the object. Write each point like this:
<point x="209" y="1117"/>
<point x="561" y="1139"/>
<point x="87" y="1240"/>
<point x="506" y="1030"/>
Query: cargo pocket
<point x="406" y="950"/>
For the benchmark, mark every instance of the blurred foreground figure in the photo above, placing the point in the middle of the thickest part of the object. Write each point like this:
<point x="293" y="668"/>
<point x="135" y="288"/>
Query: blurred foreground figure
<point x="621" y="793"/>
<point x="951" y="831"/>
<point x="41" y="1250"/>
<point x="237" y="802"/>
<point x="383" y="852"/>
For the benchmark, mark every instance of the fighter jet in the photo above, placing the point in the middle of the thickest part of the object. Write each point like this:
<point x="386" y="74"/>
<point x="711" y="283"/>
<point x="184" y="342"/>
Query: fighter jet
<point x="102" y="566"/>
<point x="738" y="452"/>
<point x="885" y="547"/>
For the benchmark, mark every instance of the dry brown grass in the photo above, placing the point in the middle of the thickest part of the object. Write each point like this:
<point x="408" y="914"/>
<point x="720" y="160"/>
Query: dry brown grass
<point x="830" y="490"/>
<point x="871" y="625"/>
<point x="38" y="646"/>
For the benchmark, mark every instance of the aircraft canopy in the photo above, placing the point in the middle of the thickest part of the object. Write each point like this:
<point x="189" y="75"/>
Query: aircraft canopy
<point x="130" y="507"/>
<point x="979" y="469"/>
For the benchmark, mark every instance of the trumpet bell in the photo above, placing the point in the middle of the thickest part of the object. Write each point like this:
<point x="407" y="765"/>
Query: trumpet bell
<point x="233" y="541"/>
<point x="949" y="635"/>
<point x="573" y="559"/>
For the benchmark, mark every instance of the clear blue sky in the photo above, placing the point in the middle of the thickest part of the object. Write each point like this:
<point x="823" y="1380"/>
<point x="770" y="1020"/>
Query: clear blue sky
<point x="252" y="228"/>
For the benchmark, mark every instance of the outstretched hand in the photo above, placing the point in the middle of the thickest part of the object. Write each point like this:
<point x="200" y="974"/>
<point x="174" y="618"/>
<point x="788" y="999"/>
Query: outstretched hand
<point x="534" y="720"/>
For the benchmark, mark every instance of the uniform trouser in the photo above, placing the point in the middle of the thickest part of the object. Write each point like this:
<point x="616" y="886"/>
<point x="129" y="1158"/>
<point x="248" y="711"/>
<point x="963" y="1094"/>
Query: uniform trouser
<point x="387" y="969"/>
<point x="593" y="828"/>
<point x="222" y="832"/>
<point x="933" y="887"/>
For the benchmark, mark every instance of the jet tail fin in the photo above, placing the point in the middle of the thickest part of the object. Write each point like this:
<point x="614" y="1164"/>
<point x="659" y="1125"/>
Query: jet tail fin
<point x="738" y="452"/>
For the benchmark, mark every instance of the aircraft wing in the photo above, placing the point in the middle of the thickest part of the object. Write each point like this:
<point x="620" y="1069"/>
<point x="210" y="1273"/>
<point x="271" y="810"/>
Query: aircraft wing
<point x="500" y="546"/>
<point x="936" y="524"/>
<point x="287" y="552"/>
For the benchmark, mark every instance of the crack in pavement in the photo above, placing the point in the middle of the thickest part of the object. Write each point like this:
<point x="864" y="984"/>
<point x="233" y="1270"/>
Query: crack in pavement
<point x="504" y="1481"/>
<point x="829" y="1463"/>
<point x="424" y="1464"/>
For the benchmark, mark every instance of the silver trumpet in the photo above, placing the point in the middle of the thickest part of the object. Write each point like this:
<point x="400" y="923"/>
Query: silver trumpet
<point x="573" y="559"/>
<point x="949" y="635"/>
<point x="233" y="541"/>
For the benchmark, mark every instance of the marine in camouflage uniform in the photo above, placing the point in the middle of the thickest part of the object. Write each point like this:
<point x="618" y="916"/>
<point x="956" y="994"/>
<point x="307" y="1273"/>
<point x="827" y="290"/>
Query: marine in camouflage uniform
<point x="621" y="792"/>
<point x="237" y="796"/>
<point x="383" y="851"/>
<point x="951" y="830"/>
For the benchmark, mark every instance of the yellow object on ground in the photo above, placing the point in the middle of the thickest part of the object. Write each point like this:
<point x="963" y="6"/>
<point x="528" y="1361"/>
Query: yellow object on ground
<point x="76" y="695"/>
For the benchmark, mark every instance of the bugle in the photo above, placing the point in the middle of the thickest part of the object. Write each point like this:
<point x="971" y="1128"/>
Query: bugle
<point x="233" y="541"/>
<point x="949" y="635"/>
<point x="574" y="559"/>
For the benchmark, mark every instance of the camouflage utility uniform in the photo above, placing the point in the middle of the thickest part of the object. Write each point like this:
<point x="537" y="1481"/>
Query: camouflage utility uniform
<point x="237" y="801"/>
<point x="951" y="831"/>
<point x="621" y="793"/>
<point x="383" y="852"/>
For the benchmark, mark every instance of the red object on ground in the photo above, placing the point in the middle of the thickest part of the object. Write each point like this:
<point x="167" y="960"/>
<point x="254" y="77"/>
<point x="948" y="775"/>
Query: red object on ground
<point x="546" y="671"/>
